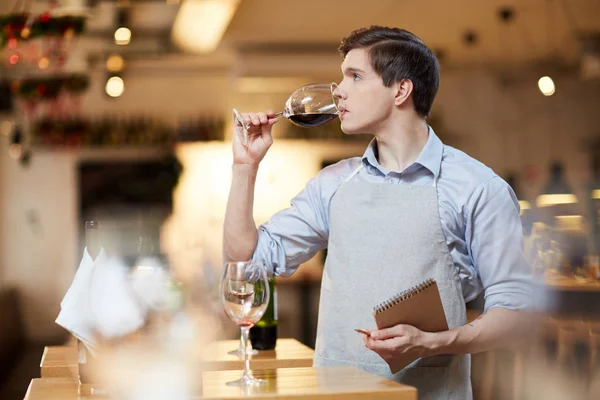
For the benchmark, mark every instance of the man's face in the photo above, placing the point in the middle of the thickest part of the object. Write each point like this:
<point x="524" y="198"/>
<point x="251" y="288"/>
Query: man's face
<point x="365" y="103"/>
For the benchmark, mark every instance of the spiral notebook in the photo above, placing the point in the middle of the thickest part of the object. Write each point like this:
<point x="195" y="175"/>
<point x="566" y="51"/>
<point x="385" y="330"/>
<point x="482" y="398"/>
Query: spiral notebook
<point x="419" y="306"/>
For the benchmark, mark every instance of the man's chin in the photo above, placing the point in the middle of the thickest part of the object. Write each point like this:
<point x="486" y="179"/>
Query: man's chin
<point x="350" y="130"/>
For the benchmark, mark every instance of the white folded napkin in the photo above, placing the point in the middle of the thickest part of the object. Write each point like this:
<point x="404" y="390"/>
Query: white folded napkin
<point x="74" y="315"/>
<point x="114" y="308"/>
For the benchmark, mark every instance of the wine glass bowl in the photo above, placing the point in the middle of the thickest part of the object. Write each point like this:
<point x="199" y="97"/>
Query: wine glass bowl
<point x="312" y="105"/>
<point x="308" y="106"/>
<point x="245" y="296"/>
<point x="242" y="304"/>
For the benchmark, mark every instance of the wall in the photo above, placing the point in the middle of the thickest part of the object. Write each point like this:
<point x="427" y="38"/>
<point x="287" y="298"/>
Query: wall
<point x="506" y="124"/>
<point x="2" y="219"/>
<point x="39" y="235"/>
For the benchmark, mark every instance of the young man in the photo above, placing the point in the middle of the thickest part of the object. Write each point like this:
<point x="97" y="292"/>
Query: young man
<point x="408" y="210"/>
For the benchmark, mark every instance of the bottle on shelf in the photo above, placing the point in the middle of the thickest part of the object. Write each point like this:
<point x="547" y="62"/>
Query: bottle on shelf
<point x="263" y="335"/>
<point x="84" y="357"/>
<point x="92" y="238"/>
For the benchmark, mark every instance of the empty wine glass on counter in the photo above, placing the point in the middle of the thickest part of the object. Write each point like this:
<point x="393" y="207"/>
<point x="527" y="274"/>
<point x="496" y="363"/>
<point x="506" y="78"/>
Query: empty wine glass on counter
<point x="240" y="350"/>
<point x="308" y="106"/>
<point x="245" y="296"/>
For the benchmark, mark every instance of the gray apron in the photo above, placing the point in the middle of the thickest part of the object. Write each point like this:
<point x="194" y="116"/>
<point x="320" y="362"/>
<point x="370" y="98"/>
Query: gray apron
<point x="385" y="238"/>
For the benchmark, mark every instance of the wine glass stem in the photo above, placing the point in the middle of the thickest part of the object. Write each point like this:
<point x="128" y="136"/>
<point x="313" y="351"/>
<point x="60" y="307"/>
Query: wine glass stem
<point x="279" y="114"/>
<point x="245" y="332"/>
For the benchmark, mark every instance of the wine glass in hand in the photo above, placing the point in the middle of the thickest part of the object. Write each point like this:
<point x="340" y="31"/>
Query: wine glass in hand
<point x="245" y="295"/>
<point x="308" y="106"/>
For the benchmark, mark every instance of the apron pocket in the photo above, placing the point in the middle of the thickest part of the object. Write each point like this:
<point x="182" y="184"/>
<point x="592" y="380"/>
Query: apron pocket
<point x="431" y="382"/>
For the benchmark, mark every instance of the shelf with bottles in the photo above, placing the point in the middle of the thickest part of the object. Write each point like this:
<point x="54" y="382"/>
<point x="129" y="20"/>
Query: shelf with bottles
<point x="105" y="131"/>
<point x="116" y="131"/>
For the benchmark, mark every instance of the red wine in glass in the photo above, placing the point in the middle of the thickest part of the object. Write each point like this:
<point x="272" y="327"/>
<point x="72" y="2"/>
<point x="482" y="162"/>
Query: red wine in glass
<point x="311" y="120"/>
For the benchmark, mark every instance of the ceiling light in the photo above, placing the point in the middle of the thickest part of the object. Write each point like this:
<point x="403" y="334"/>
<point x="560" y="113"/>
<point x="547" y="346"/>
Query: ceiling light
<point x="43" y="63"/>
<point x="115" y="86"/>
<point x="122" y="36"/>
<point x="115" y="63"/>
<point x="546" y="85"/>
<point x="200" y="24"/>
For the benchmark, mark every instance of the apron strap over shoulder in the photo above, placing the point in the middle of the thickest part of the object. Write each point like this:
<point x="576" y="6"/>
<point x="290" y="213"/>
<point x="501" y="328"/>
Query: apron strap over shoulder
<point x="356" y="171"/>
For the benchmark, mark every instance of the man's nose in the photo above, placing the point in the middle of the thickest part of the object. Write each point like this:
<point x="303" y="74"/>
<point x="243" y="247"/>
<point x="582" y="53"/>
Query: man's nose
<point x="339" y="93"/>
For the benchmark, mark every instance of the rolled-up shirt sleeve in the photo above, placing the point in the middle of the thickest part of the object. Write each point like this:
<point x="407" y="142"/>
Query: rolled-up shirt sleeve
<point x="495" y="238"/>
<point x="296" y="234"/>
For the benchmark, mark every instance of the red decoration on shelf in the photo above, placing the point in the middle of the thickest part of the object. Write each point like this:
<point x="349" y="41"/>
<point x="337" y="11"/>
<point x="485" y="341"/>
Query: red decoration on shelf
<point x="41" y="89"/>
<point x="41" y="43"/>
<point x="45" y="17"/>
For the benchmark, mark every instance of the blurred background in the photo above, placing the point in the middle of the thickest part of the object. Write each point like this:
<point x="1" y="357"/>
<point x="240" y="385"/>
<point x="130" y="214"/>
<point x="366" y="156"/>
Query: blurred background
<point x="120" y="112"/>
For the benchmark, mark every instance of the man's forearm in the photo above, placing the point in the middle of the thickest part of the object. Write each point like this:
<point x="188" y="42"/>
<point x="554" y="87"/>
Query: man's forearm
<point x="239" y="230"/>
<point x="499" y="327"/>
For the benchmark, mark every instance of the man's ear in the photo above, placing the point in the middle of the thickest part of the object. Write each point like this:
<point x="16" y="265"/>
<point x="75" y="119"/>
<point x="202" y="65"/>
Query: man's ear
<point x="404" y="89"/>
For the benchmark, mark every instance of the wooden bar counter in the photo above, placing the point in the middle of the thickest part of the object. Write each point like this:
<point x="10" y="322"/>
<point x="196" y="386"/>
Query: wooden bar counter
<point x="346" y="383"/>
<point x="572" y="284"/>
<point x="289" y="353"/>
<point x="61" y="361"/>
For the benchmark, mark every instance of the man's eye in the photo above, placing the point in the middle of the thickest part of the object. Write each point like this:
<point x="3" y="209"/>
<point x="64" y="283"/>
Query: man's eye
<point x="356" y="77"/>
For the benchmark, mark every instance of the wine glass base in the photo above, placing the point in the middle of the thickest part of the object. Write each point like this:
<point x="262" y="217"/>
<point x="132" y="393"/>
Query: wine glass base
<point x="240" y="352"/>
<point x="247" y="381"/>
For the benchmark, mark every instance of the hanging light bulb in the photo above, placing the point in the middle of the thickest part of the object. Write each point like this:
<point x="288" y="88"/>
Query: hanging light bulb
<point x="546" y="86"/>
<point x="115" y="86"/>
<point x="122" y="36"/>
<point x="557" y="190"/>
<point x="115" y="63"/>
<point x="15" y="148"/>
<point x="122" y="33"/>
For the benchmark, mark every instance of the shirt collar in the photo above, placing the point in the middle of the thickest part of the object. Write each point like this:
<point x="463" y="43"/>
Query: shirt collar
<point x="430" y="156"/>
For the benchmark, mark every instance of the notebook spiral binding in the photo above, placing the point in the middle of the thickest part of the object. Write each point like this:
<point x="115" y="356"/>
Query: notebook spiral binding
<point x="405" y="294"/>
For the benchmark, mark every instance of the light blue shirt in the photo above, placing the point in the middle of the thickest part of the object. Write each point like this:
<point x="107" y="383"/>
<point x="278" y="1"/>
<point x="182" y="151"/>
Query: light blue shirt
<point x="479" y="215"/>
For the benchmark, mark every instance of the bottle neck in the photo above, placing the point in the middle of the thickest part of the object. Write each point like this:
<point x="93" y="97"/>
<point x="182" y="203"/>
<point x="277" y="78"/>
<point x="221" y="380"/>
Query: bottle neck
<point x="148" y="246"/>
<point x="92" y="238"/>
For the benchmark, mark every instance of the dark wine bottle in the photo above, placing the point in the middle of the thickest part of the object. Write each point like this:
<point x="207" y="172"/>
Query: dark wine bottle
<point x="84" y="357"/>
<point x="263" y="335"/>
<point x="147" y="247"/>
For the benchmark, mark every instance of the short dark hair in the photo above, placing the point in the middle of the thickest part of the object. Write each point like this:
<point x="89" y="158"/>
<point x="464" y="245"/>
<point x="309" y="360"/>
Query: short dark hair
<point x="398" y="54"/>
